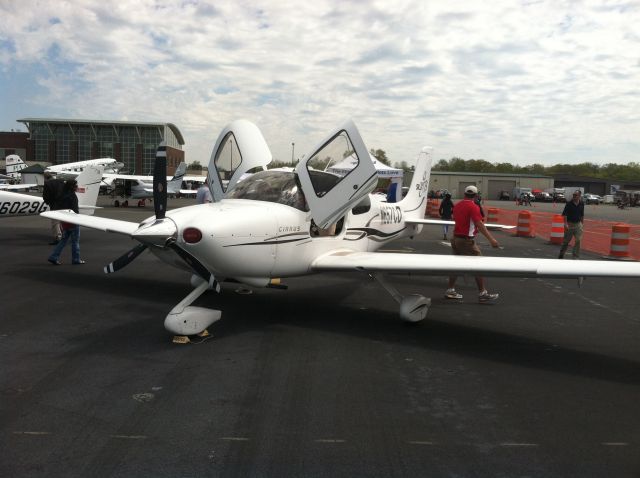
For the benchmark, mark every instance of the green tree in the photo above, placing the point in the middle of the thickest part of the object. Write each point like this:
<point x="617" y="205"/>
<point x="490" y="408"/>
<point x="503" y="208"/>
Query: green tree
<point x="194" y="166"/>
<point x="380" y="155"/>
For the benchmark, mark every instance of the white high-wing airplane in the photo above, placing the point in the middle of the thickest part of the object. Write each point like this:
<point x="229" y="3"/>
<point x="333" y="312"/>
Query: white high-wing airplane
<point x="108" y="165"/>
<point x="142" y="186"/>
<point x="279" y="224"/>
<point x="16" y="204"/>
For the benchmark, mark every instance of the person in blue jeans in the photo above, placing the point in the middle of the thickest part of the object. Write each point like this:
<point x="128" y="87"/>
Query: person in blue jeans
<point x="69" y="201"/>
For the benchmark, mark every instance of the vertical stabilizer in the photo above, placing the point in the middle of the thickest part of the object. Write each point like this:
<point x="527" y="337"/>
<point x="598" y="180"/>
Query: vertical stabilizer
<point x="415" y="202"/>
<point x="14" y="164"/>
<point x="88" y="188"/>
<point x="175" y="184"/>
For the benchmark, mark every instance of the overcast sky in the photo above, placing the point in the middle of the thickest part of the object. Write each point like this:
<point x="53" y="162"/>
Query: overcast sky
<point x="518" y="81"/>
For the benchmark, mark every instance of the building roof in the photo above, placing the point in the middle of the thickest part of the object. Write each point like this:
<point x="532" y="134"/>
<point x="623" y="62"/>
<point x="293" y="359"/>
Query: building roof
<point x="36" y="168"/>
<point x="465" y="173"/>
<point x="171" y="126"/>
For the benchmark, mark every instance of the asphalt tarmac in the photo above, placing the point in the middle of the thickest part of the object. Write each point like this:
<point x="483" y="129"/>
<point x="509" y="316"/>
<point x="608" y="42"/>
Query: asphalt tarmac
<point x="320" y="380"/>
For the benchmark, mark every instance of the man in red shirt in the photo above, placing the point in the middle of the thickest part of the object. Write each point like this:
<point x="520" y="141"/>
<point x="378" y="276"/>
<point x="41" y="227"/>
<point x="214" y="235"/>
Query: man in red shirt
<point x="468" y="219"/>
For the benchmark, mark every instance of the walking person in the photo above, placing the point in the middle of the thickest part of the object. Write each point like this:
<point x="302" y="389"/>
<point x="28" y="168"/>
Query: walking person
<point x="52" y="196"/>
<point x="468" y="222"/>
<point x="69" y="231"/>
<point x="573" y="214"/>
<point x="446" y="213"/>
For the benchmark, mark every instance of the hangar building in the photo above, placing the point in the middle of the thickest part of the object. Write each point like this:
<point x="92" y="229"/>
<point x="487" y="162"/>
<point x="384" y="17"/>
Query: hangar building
<point x="489" y="184"/>
<point x="59" y="141"/>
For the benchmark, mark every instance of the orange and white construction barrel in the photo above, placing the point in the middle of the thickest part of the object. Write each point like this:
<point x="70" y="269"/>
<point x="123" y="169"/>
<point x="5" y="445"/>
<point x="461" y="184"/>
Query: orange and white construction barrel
<point x="619" y="249"/>
<point x="525" y="226"/>
<point x="557" y="229"/>
<point x="492" y="215"/>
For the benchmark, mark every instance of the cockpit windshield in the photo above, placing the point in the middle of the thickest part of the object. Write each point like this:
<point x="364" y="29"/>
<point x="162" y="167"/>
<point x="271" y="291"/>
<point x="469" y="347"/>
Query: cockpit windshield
<point x="272" y="186"/>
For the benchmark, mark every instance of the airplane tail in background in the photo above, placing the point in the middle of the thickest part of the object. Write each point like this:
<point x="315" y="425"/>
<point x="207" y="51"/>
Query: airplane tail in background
<point x="414" y="203"/>
<point x="175" y="184"/>
<point x="14" y="165"/>
<point x="88" y="188"/>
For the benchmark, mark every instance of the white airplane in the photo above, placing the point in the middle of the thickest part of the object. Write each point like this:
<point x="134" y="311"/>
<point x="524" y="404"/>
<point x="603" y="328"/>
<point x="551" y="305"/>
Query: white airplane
<point x="14" y="164"/>
<point x="16" y="204"/>
<point x="108" y="165"/>
<point x="280" y="224"/>
<point x="142" y="186"/>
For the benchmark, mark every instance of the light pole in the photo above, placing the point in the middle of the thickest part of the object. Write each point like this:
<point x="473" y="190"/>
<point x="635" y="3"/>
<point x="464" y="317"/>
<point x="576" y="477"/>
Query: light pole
<point x="293" y="146"/>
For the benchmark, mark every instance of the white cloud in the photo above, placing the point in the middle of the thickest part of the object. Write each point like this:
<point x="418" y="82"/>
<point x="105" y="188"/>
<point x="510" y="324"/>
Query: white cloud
<point x="524" y="82"/>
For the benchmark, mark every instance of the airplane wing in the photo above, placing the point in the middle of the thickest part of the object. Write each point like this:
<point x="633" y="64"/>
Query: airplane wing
<point x="10" y="187"/>
<point x="93" y="222"/>
<point x="443" y="265"/>
<point x="442" y="222"/>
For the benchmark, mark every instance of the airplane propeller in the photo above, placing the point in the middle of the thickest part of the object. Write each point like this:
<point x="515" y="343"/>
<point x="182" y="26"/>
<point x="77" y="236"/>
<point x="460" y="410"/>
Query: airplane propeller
<point x="162" y="231"/>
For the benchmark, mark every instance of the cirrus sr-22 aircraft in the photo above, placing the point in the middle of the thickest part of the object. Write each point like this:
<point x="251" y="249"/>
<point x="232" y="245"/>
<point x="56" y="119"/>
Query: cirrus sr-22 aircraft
<point x="278" y="224"/>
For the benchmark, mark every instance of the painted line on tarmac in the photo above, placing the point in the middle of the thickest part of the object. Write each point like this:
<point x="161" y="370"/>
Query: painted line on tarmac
<point x="329" y="440"/>
<point x="418" y="442"/>
<point x="234" y="438"/>
<point x="615" y="444"/>
<point x="31" y="433"/>
<point x="129" y="437"/>
<point x="507" y="444"/>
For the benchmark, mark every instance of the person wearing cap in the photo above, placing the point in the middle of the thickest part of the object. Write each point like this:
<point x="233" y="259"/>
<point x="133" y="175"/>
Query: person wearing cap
<point x="573" y="214"/>
<point x="468" y="222"/>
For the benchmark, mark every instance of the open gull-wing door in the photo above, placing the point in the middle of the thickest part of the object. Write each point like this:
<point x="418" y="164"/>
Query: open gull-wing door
<point x="239" y="148"/>
<point x="329" y="196"/>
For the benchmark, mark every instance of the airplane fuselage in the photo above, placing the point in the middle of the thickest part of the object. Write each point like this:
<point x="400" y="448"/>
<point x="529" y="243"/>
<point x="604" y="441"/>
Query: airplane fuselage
<point x="256" y="241"/>
<point x="17" y="204"/>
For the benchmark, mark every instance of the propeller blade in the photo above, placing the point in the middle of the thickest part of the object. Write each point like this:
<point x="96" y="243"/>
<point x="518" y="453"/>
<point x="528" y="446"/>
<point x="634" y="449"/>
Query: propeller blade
<point x="160" y="181"/>
<point x="196" y="265"/>
<point x="123" y="260"/>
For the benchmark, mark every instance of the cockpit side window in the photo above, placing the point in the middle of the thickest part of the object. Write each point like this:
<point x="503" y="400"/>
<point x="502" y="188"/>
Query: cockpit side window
<point x="228" y="159"/>
<point x="337" y="150"/>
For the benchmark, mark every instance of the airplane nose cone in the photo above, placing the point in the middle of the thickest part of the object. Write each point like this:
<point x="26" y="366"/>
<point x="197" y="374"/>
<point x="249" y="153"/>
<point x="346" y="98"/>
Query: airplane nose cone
<point x="156" y="233"/>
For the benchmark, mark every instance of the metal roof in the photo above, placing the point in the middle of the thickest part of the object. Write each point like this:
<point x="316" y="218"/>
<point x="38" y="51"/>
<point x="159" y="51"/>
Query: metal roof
<point x="466" y="173"/>
<point x="171" y="126"/>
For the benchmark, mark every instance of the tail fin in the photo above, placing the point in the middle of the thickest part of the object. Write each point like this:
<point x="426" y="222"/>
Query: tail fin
<point x="88" y="188"/>
<point x="415" y="202"/>
<point x="14" y="165"/>
<point x="174" y="186"/>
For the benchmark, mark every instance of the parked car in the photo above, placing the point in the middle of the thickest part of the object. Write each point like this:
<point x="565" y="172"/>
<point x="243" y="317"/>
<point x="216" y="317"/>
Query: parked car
<point x="525" y="199"/>
<point x="558" y="197"/>
<point x="589" y="198"/>
<point x="543" y="196"/>
<point x="504" y="196"/>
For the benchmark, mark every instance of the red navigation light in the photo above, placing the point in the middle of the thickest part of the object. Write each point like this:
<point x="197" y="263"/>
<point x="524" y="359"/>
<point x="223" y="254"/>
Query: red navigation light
<point x="191" y="235"/>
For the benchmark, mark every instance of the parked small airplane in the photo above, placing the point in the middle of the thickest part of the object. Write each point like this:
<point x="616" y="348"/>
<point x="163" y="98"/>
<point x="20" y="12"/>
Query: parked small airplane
<point x="109" y="165"/>
<point x="14" y="164"/>
<point x="279" y="224"/>
<point x="16" y="204"/>
<point x="141" y="187"/>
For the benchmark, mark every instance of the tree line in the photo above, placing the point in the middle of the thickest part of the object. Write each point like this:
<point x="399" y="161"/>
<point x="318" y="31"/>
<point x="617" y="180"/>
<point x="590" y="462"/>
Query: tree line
<point x="630" y="172"/>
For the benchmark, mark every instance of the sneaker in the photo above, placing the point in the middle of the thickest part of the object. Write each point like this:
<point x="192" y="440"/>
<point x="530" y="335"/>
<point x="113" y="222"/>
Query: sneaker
<point x="561" y="255"/>
<point x="486" y="298"/>
<point x="452" y="294"/>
